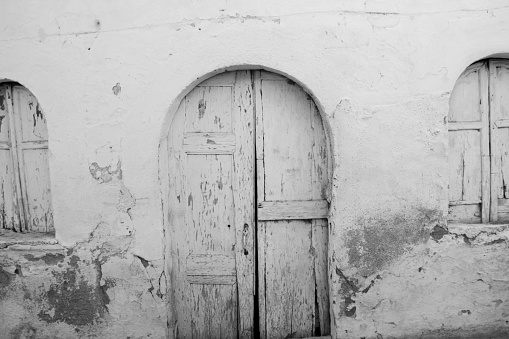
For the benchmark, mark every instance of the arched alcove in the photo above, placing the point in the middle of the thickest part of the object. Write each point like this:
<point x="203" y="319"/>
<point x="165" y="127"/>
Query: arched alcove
<point x="245" y="170"/>
<point x="478" y="126"/>
<point x="25" y="199"/>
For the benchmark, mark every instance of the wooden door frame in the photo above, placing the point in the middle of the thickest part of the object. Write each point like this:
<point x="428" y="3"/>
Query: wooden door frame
<point x="164" y="182"/>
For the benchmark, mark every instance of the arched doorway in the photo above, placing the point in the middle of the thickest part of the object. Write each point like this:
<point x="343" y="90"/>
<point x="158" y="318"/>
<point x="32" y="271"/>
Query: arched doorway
<point x="246" y="176"/>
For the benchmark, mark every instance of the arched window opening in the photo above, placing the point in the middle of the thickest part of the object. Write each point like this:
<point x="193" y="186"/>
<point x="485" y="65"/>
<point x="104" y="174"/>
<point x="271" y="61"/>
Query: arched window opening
<point x="25" y="193"/>
<point x="479" y="144"/>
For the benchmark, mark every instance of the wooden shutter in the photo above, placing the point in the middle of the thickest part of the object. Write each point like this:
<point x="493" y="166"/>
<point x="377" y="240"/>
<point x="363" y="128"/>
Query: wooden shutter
<point x="32" y="155"/>
<point x="11" y="205"/>
<point x="211" y="200"/>
<point x="499" y="111"/>
<point x="291" y="158"/>
<point x="25" y="200"/>
<point x="469" y="162"/>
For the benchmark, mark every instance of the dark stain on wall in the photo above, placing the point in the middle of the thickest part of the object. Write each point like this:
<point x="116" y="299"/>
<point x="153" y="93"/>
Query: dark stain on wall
<point x="438" y="232"/>
<point x="378" y="240"/>
<point x="484" y="332"/>
<point x="5" y="280"/>
<point x="49" y="259"/>
<point x="73" y="299"/>
<point x="23" y="331"/>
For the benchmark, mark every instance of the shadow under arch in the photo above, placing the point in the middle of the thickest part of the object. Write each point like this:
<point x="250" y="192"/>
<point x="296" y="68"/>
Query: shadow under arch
<point x="164" y="174"/>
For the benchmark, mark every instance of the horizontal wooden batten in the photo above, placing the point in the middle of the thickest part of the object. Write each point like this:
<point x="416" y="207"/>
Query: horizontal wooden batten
<point x="467" y="214"/>
<point x="502" y="123"/>
<point x="469" y="125"/>
<point x="503" y="205"/>
<point x="33" y="146"/>
<point x="212" y="279"/>
<point x="293" y="210"/>
<point x="211" y="269"/>
<point x="209" y="143"/>
<point x="464" y="202"/>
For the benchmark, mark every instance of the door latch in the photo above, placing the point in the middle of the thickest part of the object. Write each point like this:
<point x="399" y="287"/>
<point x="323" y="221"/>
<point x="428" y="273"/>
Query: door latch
<point x="245" y="234"/>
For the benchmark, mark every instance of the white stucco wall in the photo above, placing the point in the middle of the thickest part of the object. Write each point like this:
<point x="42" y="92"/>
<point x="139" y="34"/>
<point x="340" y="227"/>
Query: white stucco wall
<point x="381" y="72"/>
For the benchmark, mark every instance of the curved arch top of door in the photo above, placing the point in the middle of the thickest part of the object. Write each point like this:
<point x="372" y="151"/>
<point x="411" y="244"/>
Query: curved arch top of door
<point x="244" y="177"/>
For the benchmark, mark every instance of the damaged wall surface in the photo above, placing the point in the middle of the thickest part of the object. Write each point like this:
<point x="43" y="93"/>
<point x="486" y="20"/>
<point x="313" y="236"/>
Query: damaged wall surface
<point x="109" y="77"/>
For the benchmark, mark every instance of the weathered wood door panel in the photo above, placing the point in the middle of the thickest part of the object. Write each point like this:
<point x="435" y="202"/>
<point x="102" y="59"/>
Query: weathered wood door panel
<point x="211" y="198"/>
<point x="469" y="176"/>
<point x="212" y="190"/>
<point x="26" y="189"/>
<point x="293" y="175"/>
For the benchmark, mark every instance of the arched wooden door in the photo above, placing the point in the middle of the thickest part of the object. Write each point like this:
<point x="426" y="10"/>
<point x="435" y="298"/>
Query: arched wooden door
<point x="247" y="180"/>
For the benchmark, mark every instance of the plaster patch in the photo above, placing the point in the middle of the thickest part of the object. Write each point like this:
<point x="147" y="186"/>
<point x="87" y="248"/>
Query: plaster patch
<point x="74" y="299"/>
<point x="475" y="235"/>
<point x="107" y="173"/>
<point x="116" y="89"/>
<point x="378" y="240"/>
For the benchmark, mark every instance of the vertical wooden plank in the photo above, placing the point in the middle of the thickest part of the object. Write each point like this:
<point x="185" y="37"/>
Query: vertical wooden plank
<point x="164" y="181"/>
<point x="485" y="143"/>
<point x="4" y="116"/>
<point x="496" y="156"/>
<point x="262" y="272"/>
<point x="17" y="169"/>
<point x="38" y="190"/>
<point x="319" y="236"/>
<point x="320" y="245"/>
<point x="288" y="141"/>
<point x="257" y="88"/>
<point x="244" y="192"/>
<point x="178" y="242"/>
<point x="499" y="91"/>
<point x="289" y="280"/>
<point x="8" y="209"/>
<point x="260" y="197"/>
<point x="465" y="165"/>
<point x="9" y="218"/>
<point x="211" y="316"/>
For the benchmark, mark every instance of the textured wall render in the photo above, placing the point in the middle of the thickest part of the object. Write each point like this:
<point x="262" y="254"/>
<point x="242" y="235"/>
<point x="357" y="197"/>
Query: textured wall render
<point x="109" y="75"/>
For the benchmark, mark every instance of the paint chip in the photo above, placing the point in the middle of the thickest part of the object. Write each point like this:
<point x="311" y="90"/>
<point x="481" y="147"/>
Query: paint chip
<point x="116" y="89"/>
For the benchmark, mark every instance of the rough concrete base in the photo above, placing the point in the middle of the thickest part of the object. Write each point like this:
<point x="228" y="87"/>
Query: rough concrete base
<point x="95" y="289"/>
<point x="455" y="286"/>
